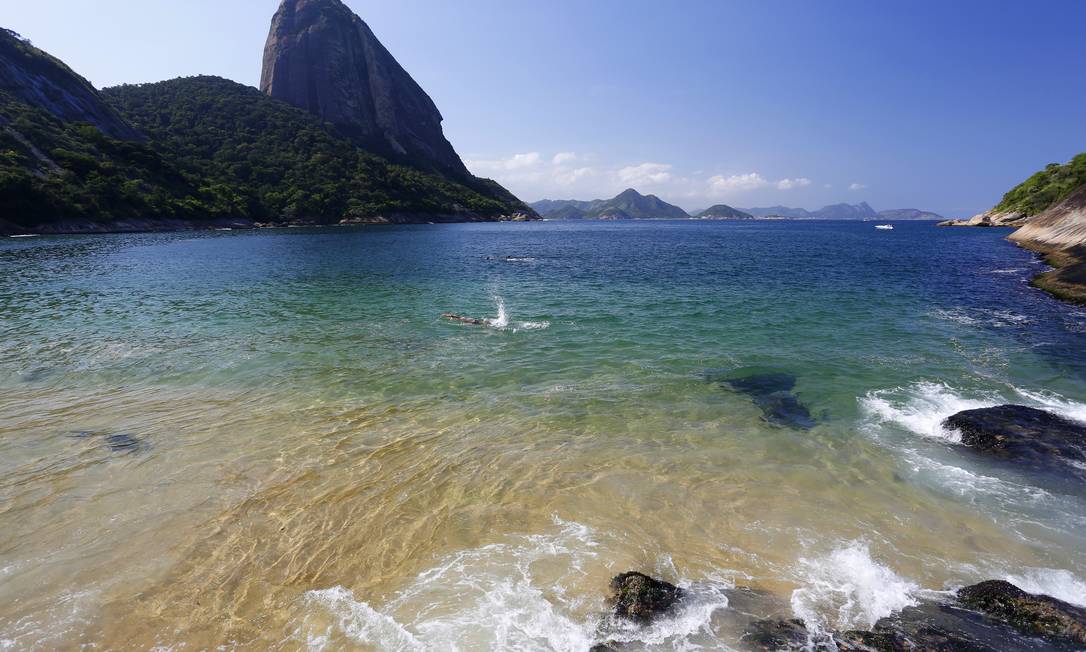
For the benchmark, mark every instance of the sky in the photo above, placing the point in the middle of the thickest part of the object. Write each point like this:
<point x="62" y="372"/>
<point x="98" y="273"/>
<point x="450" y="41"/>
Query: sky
<point x="940" y="105"/>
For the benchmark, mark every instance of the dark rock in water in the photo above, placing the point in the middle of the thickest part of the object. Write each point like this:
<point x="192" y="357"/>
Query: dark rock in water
<point x="1022" y="434"/>
<point x="640" y="598"/>
<point x="778" y="635"/>
<point x="117" y="442"/>
<point x="772" y="392"/>
<point x="1041" y="615"/>
<point x="123" y="443"/>
<point x="925" y="627"/>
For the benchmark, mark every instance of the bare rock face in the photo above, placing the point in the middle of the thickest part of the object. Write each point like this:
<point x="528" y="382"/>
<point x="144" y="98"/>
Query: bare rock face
<point x="42" y="81"/>
<point x="323" y="58"/>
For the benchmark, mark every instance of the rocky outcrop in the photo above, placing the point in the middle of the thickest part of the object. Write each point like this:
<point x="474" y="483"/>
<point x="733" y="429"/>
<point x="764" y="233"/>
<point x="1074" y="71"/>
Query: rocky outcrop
<point x="990" y="218"/>
<point x="641" y="598"/>
<point x="992" y="616"/>
<point x="1040" y="615"/>
<point x="323" y="58"/>
<point x="29" y="75"/>
<point x="1023" y="435"/>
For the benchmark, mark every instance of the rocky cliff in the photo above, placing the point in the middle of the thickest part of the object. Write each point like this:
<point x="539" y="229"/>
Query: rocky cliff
<point x="1049" y="210"/>
<point x="323" y="58"/>
<point x="29" y="75"/>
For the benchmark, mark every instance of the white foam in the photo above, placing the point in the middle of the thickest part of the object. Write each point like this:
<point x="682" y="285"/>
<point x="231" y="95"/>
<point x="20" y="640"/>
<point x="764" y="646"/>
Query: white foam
<point x="514" y="595"/>
<point x="921" y="408"/>
<point x="848" y="589"/>
<point x="502" y="322"/>
<point x="1060" y="584"/>
<point x="1055" y="403"/>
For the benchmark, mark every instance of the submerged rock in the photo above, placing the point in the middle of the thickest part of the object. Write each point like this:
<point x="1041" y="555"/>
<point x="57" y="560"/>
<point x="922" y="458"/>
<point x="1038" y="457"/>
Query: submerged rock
<point x="1040" y="615"/>
<point x="121" y="442"/>
<point x="640" y="598"/>
<point x="778" y="635"/>
<point x="124" y="443"/>
<point x="1022" y="434"/>
<point x="772" y="393"/>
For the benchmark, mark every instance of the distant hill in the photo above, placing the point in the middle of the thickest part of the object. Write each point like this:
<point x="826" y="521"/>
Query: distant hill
<point x="861" y="211"/>
<point x="627" y="205"/>
<point x="903" y="214"/>
<point x="846" y="212"/>
<point x="723" y="212"/>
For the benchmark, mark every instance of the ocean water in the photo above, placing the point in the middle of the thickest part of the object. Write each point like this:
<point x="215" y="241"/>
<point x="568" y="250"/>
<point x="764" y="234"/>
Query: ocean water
<point x="270" y="439"/>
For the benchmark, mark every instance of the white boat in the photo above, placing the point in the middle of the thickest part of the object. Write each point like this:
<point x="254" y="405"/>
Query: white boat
<point x="885" y="227"/>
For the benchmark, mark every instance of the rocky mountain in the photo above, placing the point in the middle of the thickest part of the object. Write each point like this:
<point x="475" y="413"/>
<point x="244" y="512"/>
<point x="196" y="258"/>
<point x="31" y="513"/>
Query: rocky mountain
<point x="197" y="152"/>
<point x="323" y="58"/>
<point x="723" y="212"/>
<point x="33" y="77"/>
<point x="627" y="205"/>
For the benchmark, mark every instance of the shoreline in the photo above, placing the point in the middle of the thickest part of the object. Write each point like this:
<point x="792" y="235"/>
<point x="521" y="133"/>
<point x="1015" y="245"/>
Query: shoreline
<point x="1066" y="280"/>
<point x="167" y="225"/>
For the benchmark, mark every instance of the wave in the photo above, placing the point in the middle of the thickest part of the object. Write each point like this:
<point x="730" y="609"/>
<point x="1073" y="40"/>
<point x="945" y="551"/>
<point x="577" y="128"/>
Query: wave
<point x="1060" y="584"/>
<point x="922" y="407"/>
<point x="515" y="595"/>
<point x="982" y="317"/>
<point x="849" y="583"/>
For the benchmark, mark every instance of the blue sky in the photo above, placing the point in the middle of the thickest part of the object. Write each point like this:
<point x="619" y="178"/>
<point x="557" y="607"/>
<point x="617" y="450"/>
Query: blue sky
<point x="937" y="105"/>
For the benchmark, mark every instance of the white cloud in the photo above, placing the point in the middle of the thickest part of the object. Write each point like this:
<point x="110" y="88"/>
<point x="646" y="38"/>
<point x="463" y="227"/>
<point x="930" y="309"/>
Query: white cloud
<point x="857" y="186"/>
<point x="788" y="184"/>
<point x="561" y="158"/>
<point x="645" y="174"/>
<point x="569" y="177"/>
<point x="514" y="162"/>
<point x="723" y="185"/>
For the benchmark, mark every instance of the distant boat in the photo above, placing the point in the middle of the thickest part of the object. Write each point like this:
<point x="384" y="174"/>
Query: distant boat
<point x="24" y="235"/>
<point x="885" y="227"/>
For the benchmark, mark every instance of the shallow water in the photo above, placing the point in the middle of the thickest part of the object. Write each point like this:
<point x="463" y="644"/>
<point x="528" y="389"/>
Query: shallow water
<point x="271" y="439"/>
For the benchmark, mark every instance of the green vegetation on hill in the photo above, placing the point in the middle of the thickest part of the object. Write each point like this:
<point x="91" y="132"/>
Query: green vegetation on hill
<point x="51" y="169"/>
<point x="265" y="159"/>
<point x="215" y="150"/>
<point x="1045" y="188"/>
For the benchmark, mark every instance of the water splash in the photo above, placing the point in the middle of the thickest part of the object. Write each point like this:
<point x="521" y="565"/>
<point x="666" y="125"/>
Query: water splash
<point x="849" y="584"/>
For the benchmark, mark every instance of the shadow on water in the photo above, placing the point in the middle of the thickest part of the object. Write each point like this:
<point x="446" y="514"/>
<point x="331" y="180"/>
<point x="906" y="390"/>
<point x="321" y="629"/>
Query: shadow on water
<point x="771" y="391"/>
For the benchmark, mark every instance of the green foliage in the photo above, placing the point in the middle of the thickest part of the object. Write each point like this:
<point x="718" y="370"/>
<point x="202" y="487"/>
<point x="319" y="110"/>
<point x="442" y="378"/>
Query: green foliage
<point x="216" y="150"/>
<point x="50" y="169"/>
<point x="1046" y="188"/>
<point x="269" y="160"/>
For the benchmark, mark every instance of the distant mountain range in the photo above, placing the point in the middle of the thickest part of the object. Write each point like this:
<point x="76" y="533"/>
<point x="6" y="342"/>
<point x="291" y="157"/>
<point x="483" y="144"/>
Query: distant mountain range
<point x="632" y="205"/>
<point x="627" y="205"/>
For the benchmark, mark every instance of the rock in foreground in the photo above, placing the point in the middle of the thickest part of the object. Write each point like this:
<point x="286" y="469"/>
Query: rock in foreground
<point x="1021" y="434"/>
<point x="1040" y="615"/>
<point x="640" y="598"/>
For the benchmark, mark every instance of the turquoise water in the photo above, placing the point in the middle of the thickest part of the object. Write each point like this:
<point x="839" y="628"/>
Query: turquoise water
<point x="303" y="378"/>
